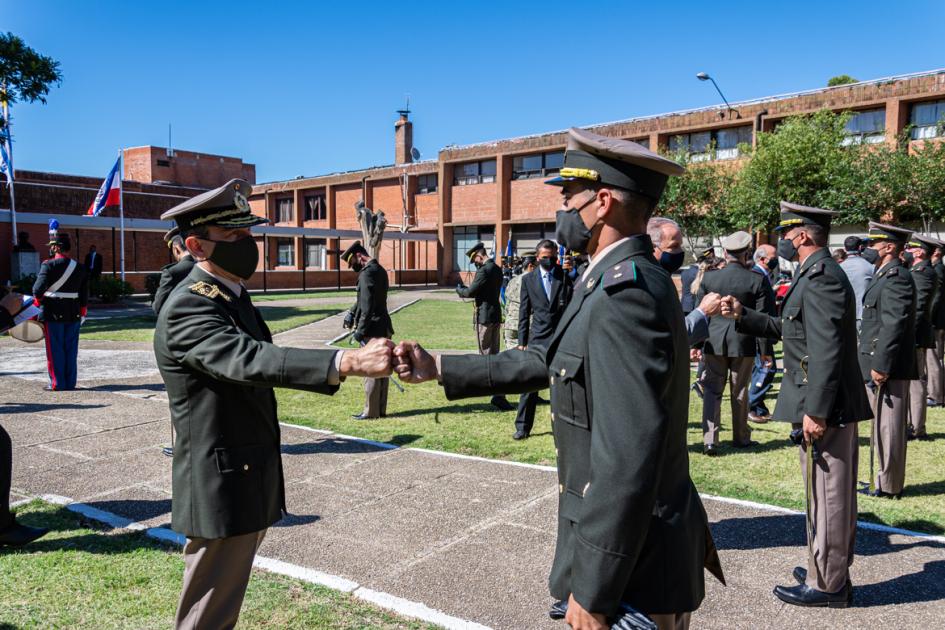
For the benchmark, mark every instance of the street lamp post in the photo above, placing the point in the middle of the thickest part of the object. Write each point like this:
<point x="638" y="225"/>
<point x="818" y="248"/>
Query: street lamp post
<point x="703" y="76"/>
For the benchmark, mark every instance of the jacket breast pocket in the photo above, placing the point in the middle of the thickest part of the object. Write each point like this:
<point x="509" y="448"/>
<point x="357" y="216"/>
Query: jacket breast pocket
<point x="869" y="310"/>
<point x="792" y="327"/>
<point x="240" y="460"/>
<point x="568" y="389"/>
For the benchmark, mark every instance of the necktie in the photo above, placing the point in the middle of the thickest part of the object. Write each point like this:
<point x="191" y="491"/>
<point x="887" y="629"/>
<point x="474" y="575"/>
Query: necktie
<point x="547" y="282"/>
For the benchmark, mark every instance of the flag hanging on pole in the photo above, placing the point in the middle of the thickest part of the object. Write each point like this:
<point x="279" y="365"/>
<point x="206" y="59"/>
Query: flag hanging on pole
<point x="6" y="144"/>
<point x="109" y="195"/>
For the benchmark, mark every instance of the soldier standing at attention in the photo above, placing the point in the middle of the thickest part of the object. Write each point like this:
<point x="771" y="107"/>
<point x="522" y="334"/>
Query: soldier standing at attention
<point x="821" y="394"/>
<point x="926" y="285"/>
<point x="370" y="320"/>
<point x="62" y="287"/>
<point x="513" y="293"/>
<point x="934" y="367"/>
<point x="173" y="273"/>
<point x="485" y="289"/>
<point x="631" y="526"/>
<point x="887" y="357"/>
<point x="219" y="366"/>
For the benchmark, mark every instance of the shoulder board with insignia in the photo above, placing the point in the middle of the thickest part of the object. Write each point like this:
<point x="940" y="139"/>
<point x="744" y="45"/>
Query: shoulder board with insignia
<point x="620" y="275"/>
<point x="894" y="271"/>
<point x="211" y="291"/>
<point x="817" y="269"/>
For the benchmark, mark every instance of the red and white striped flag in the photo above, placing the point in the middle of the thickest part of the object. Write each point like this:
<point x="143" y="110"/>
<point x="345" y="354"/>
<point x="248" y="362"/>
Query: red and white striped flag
<point x="109" y="195"/>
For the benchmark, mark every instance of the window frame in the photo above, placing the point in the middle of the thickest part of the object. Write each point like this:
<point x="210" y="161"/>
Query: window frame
<point x="468" y="178"/>
<point x="542" y="170"/>
<point x="290" y="203"/>
<point x="280" y="242"/>
<point x="322" y="209"/>
<point x="426" y="190"/>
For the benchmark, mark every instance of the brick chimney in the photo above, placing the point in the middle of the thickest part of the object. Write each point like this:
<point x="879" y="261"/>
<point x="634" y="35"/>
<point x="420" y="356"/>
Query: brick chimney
<point x="403" y="138"/>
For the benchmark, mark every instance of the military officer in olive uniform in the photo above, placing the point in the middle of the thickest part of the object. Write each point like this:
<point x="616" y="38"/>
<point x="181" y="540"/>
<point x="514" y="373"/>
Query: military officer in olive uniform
<point x="219" y="366"/>
<point x="887" y="357"/>
<point x="728" y="354"/>
<point x="822" y="394"/>
<point x="173" y="273"/>
<point x="934" y="366"/>
<point x="631" y="526"/>
<point x="485" y="289"/>
<point x="369" y="319"/>
<point x="926" y="287"/>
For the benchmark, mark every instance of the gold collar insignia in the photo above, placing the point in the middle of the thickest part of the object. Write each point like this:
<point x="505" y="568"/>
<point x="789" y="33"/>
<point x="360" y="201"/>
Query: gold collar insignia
<point x="209" y="290"/>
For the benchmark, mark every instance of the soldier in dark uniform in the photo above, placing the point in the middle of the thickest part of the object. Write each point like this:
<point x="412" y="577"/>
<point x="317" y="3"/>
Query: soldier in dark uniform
<point x="62" y="287"/>
<point x="822" y="394"/>
<point x="728" y="354"/>
<point x="219" y="366"/>
<point x="370" y="320"/>
<point x="934" y="366"/>
<point x="887" y="357"/>
<point x="631" y="526"/>
<point x="485" y="289"/>
<point x="926" y="287"/>
<point x="173" y="273"/>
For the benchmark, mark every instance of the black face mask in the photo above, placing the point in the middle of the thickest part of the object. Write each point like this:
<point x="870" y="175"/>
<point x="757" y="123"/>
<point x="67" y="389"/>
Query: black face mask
<point x="672" y="261"/>
<point x="570" y="230"/>
<point x="772" y="264"/>
<point x="356" y="266"/>
<point x="787" y="249"/>
<point x="870" y="255"/>
<point x="907" y="259"/>
<point x="236" y="257"/>
<point x="547" y="263"/>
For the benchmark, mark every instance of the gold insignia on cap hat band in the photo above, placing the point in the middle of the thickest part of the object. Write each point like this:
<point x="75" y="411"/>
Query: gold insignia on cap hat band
<point x="874" y="237"/>
<point x="787" y="222"/>
<point x="580" y="173"/>
<point x="915" y="244"/>
<point x="230" y="212"/>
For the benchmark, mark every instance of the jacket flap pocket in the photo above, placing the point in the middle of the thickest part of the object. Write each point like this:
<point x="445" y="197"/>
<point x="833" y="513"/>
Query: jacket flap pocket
<point x="244" y="459"/>
<point x="571" y="506"/>
<point x="566" y="366"/>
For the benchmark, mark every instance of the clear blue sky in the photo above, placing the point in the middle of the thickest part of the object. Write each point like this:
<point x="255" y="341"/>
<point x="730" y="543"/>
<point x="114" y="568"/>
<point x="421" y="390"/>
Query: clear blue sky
<point x="311" y="88"/>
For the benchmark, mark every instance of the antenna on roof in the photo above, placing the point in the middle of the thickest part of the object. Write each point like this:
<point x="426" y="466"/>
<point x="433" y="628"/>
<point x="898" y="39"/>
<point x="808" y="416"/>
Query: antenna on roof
<point x="170" y="149"/>
<point x="406" y="110"/>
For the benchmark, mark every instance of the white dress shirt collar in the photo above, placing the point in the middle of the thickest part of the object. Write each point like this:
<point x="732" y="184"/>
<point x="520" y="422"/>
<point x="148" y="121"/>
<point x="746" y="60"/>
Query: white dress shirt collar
<point x="236" y="288"/>
<point x="601" y="254"/>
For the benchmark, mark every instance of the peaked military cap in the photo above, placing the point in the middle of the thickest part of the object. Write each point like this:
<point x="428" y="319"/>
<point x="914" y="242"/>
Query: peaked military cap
<point x="475" y="249"/>
<point x="355" y="248"/>
<point x="883" y="232"/>
<point x="226" y="206"/>
<point x="928" y="243"/>
<point x="593" y="158"/>
<point x="706" y="254"/>
<point x="793" y="215"/>
<point x="737" y="241"/>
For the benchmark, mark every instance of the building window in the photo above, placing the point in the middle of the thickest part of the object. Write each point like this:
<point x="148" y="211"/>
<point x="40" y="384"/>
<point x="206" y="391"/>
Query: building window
<point x="526" y="236"/>
<point x="315" y="208"/>
<point x="867" y="126"/>
<point x="699" y="144"/>
<point x="426" y="183"/>
<point x="284" y="210"/>
<point x="285" y="252"/>
<point x="464" y="238"/>
<point x="926" y="119"/>
<point x="643" y="142"/>
<point x="538" y="165"/>
<point x="474" y="173"/>
<point x="315" y="253"/>
<point x="164" y="163"/>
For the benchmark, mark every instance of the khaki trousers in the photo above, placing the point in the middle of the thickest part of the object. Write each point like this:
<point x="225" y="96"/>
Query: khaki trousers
<point x="678" y="621"/>
<point x="935" y="370"/>
<point x="889" y="435"/>
<point x="375" y="397"/>
<point x="216" y="572"/>
<point x="737" y="371"/>
<point x="918" y="393"/>
<point x="488" y="338"/>
<point x="833" y="508"/>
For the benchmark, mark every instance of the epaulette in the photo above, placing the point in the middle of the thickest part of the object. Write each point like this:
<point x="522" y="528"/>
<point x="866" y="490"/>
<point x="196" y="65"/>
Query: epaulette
<point x="817" y="269"/>
<point x="620" y="275"/>
<point x="208" y="290"/>
<point x="893" y="272"/>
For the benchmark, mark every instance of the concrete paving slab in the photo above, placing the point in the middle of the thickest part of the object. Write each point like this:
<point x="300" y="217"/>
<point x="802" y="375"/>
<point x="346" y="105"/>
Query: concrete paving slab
<point x="30" y="363"/>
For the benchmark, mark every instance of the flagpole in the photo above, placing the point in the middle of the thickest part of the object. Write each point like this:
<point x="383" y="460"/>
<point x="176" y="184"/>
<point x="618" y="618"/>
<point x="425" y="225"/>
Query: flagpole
<point x="121" y="207"/>
<point x="10" y="178"/>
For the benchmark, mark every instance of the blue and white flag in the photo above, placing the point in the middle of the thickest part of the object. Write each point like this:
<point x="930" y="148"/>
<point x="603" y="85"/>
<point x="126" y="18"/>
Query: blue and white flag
<point x="6" y="146"/>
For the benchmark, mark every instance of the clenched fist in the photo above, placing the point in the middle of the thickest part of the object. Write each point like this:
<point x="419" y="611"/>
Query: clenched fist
<point x="711" y="304"/>
<point x="414" y="364"/>
<point x="731" y="307"/>
<point x="373" y="360"/>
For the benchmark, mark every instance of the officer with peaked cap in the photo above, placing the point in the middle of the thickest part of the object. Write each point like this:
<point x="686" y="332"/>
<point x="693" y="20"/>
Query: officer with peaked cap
<point x="821" y="394"/>
<point x="485" y="289"/>
<point x="173" y="273"/>
<point x="887" y="355"/>
<point x="369" y="319"/>
<point x="728" y="354"/>
<point x="631" y="526"/>
<point x="920" y="249"/>
<point x="219" y="366"/>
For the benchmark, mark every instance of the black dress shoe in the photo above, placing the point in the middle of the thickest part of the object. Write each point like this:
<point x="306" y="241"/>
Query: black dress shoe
<point x="519" y="435"/>
<point x="879" y="494"/>
<point x="710" y="450"/>
<point x="803" y="595"/>
<point x="168" y="451"/>
<point x="361" y="416"/>
<point x="558" y="609"/>
<point x="500" y="403"/>
<point x="747" y="444"/>
<point x="17" y="535"/>
<point x="800" y="574"/>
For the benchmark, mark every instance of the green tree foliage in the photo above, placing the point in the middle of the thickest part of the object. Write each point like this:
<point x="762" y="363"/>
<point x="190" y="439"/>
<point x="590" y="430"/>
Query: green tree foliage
<point x="841" y="79"/>
<point x="25" y="75"/>
<point x="925" y="188"/>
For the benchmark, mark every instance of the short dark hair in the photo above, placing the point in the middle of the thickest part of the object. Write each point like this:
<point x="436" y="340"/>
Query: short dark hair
<point x="547" y="244"/>
<point x="199" y="231"/>
<point x="852" y="243"/>
<point x="818" y="234"/>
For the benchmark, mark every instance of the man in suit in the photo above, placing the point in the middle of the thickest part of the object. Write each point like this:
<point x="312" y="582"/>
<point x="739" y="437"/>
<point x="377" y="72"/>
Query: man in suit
<point x="729" y="354"/>
<point x="822" y="395"/>
<point x="370" y="320"/>
<point x="926" y="287"/>
<point x="62" y="287"/>
<point x="764" y="369"/>
<point x="93" y="266"/>
<point x="631" y="526"/>
<point x="545" y="293"/>
<point x="859" y="272"/>
<point x="219" y="366"/>
<point x="485" y="289"/>
<point x="887" y="355"/>
<point x="173" y="273"/>
<point x="513" y="293"/>
<point x="934" y="357"/>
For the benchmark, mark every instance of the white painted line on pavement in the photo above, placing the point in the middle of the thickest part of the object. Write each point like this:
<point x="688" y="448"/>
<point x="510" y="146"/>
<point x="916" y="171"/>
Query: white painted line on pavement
<point x="484" y="459"/>
<point x="399" y="605"/>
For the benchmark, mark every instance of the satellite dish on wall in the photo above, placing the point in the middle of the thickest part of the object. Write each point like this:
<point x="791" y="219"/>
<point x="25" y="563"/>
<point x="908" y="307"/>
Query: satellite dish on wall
<point x="415" y="154"/>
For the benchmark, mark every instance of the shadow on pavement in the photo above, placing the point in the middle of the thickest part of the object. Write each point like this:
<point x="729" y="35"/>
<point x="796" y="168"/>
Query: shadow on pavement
<point x="927" y="585"/>
<point x="291" y="520"/>
<point x="331" y="447"/>
<point x="37" y="407"/>
<point x="760" y="532"/>
<point x="120" y="387"/>
<point x="134" y="509"/>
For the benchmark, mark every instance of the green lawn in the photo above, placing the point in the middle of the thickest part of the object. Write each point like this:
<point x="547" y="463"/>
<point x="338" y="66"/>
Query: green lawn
<point x="302" y="295"/>
<point x="437" y="324"/>
<point x="279" y="319"/>
<point x="81" y="576"/>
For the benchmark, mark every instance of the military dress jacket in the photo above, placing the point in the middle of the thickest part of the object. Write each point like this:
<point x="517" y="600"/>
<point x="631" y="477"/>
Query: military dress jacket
<point x="749" y="288"/>
<point x="219" y="366"/>
<point x="938" y="309"/>
<point x="887" y="334"/>
<point x="818" y="326"/>
<point x="485" y="289"/>
<point x="370" y="313"/>
<point x="631" y="525"/>
<point x="926" y="287"/>
<point x="171" y="276"/>
<point x="68" y="302"/>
